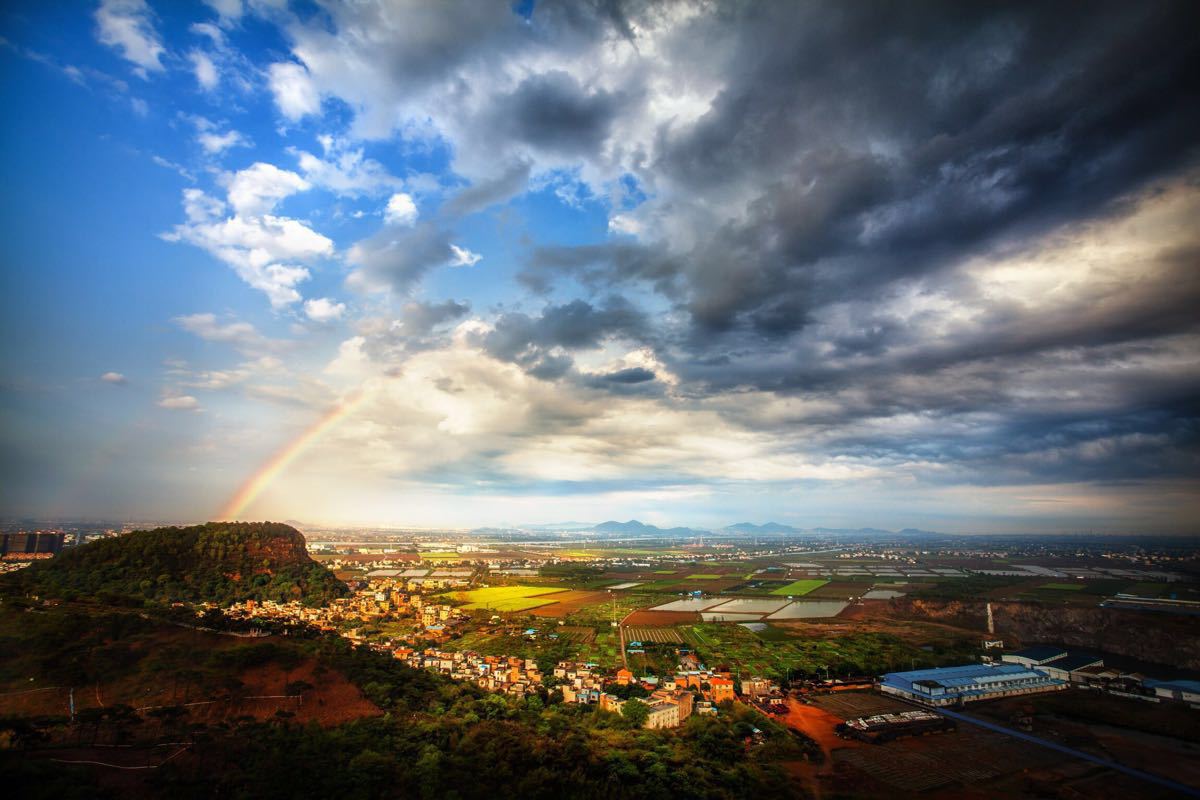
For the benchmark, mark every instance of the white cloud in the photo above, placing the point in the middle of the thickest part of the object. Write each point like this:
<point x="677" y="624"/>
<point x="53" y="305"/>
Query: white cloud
<point x="215" y="143"/>
<point x="323" y="309"/>
<point x="258" y="188"/>
<point x="295" y="93"/>
<point x="128" y="26"/>
<point x="166" y="163"/>
<point x="205" y="70"/>
<point x="624" y="224"/>
<point x="401" y="210"/>
<point x="255" y="243"/>
<point x="180" y="402"/>
<point x="229" y="11"/>
<point x="351" y="360"/>
<point x="139" y="106"/>
<point x="345" y="172"/>
<point x="114" y="378"/>
<point x="463" y="257"/>
<point x="256" y="248"/>
<point x="242" y="336"/>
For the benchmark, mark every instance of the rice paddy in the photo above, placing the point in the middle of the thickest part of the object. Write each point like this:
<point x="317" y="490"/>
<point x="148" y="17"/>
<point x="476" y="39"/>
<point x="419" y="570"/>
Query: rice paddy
<point x="799" y="588"/>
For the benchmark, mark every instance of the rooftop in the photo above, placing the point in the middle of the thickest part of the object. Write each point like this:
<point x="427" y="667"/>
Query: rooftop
<point x="1041" y="652"/>
<point x="964" y="677"/>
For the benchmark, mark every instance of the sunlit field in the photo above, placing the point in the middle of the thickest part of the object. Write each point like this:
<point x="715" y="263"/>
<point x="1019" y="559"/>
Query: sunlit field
<point x="506" y="598"/>
<point x="798" y="588"/>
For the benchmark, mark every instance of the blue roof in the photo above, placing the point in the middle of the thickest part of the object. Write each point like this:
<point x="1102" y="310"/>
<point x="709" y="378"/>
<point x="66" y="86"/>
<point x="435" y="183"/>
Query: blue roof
<point x="968" y="679"/>
<point x="1040" y="652"/>
<point x="1075" y="661"/>
<point x="1185" y="686"/>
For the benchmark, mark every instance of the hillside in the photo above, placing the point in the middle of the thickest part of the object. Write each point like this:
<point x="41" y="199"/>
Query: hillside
<point x="163" y="712"/>
<point x="220" y="562"/>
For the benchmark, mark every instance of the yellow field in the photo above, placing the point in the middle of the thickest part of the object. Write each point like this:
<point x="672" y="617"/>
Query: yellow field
<point x="506" y="598"/>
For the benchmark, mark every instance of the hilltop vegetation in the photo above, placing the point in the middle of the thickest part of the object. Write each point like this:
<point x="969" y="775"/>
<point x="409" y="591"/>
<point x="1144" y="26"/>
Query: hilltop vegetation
<point x="220" y="562"/>
<point x="434" y="738"/>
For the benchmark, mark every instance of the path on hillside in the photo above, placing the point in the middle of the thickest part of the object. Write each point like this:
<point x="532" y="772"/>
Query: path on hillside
<point x="1070" y="751"/>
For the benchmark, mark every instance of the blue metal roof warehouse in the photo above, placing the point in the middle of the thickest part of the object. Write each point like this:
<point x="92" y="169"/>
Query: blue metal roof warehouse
<point x="952" y="685"/>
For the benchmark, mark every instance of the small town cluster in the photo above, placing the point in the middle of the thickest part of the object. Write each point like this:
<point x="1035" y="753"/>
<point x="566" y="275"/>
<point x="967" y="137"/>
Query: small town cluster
<point x="670" y="699"/>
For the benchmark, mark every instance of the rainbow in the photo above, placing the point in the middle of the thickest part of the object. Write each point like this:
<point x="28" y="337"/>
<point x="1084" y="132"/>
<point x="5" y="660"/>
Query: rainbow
<point x="268" y="472"/>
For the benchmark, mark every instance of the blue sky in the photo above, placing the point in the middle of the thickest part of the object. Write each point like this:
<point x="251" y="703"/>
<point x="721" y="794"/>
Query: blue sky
<point x="688" y="263"/>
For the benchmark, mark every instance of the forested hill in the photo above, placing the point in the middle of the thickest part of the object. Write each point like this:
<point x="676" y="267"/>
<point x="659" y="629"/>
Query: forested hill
<point x="221" y="562"/>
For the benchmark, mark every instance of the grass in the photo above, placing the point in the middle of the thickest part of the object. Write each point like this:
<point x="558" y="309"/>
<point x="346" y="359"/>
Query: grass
<point x="1062" y="587"/>
<point x="506" y="598"/>
<point x="799" y="588"/>
<point x="665" y="571"/>
<point x="703" y="576"/>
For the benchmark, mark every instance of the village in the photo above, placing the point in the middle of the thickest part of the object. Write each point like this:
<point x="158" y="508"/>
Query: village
<point x="670" y="699"/>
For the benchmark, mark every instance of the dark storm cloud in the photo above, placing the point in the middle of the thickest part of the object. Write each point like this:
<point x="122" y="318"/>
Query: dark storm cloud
<point x="630" y="375"/>
<point x="553" y="112"/>
<point x="854" y="156"/>
<point x="397" y="257"/>
<point x="419" y="319"/>
<point x="576" y="325"/>
<point x="479" y="196"/>
<point x="867" y="143"/>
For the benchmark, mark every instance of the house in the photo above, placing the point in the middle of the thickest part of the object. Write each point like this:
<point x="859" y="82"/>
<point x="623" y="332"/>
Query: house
<point x="624" y="677"/>
<point x="757" y="687"/>
<point x="720" y="689"/>
<point x="663" y="715"/>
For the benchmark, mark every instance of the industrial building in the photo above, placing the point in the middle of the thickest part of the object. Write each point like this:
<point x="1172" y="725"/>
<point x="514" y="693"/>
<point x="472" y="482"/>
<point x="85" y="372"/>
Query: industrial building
<point x="947" y="686"/>
<point x="1056" y="662"/>
<point x="882" y="728"/>
<point x="1183" y="691"/>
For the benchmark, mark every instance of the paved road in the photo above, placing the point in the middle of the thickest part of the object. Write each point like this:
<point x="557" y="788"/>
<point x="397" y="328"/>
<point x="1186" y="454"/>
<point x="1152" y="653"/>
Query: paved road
<point x="1070" y="751"/>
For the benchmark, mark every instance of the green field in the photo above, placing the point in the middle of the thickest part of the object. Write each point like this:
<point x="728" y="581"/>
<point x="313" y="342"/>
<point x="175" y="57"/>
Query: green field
<point x="1062" y="587"/>
<point x="798" y="588"/>
<point x="665" y="571"/>
<point x="438" y="555"/>
<point x="703" y="576"/>
<point x="506" y="598"/>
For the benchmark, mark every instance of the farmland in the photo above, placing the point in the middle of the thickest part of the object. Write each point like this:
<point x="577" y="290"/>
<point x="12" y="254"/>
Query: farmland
<point x="656" y="635"/>
<point x="801" y="587"/>
<point x="506" y="598"/>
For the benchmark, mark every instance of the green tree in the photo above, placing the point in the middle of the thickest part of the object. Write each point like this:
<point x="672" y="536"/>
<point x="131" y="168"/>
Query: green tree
<point x="635" y="712"/>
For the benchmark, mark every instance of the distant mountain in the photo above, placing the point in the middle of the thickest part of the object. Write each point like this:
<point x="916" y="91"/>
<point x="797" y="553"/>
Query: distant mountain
<point x="871" y="532"/>
<point x="220" y="562"/>
<point x="558" y="526"/>
<point x="633" y="528"/>
<point x="768" y="527"/>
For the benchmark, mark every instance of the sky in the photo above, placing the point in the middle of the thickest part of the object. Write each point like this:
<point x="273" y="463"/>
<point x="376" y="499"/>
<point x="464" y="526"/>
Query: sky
<point x="467" y="263"/>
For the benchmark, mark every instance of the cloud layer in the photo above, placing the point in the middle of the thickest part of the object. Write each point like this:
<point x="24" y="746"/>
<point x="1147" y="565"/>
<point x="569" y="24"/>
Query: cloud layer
<point x="710" y="252"/>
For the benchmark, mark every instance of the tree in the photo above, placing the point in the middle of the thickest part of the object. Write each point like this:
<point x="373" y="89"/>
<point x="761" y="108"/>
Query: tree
<point x="635" y="712"/>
